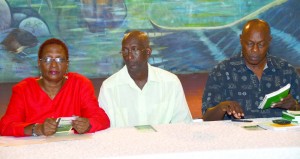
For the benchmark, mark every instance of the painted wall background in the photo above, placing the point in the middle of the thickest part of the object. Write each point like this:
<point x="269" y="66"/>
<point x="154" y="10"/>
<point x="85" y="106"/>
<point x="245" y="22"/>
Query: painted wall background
<point x="187" y="36"/>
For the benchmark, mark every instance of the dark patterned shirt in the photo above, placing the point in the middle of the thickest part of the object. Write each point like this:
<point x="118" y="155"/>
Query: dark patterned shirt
<point x="232" y="80"/>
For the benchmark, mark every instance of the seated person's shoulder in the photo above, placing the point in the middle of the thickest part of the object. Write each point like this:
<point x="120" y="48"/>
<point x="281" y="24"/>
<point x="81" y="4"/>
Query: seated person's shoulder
<point x="115" y="79"/>
<point x="280" y="62"/>
<point x="27" y="82"/>
<point x="164" y="74"/>
<point x="79" y="78"/>
<point x="229" y="63"/>
<point x="284" y="67"/>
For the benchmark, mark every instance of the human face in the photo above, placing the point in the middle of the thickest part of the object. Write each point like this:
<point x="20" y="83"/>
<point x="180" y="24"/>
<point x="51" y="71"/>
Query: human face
<point x="53" y="71"/>
<point x="136" y="61"/>
<point x="255" y="44"/>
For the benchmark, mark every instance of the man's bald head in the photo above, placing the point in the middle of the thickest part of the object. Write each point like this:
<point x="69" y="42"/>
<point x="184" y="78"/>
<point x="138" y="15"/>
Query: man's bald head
<point x="139" y="36"/>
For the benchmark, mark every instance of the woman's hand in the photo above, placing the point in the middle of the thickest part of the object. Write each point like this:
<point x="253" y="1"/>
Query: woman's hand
<point x="81" y="125"/>
<point x="48" y="128"/>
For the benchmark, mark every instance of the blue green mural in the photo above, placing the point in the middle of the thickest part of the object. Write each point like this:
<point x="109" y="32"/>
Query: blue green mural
<point x="187" y="36"/>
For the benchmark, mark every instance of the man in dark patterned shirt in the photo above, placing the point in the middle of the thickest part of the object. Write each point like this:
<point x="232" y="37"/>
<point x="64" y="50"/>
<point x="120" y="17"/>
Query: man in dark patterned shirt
<point x="236" y="86"/>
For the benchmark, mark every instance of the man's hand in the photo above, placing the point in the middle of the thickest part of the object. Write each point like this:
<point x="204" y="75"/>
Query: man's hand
<point x="81" y="125"/>
<point x="231" y="108"/>
<point x="286" y="103"/>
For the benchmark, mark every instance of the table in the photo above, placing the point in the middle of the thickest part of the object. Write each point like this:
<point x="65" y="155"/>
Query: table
<point x="217" y="139"/>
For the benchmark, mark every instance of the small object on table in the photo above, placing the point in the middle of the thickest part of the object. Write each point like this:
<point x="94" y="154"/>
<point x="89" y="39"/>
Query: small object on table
<point x="281" y="121"/>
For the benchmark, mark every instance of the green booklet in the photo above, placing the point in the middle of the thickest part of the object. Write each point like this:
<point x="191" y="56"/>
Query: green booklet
<point x="274" y="97"/>
<point x="145" y="128"/>
<point x="293" y="116"/>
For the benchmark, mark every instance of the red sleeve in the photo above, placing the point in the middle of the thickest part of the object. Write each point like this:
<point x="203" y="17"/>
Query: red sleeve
<point x="90" y="107"/>
<point x="13" y="122"/>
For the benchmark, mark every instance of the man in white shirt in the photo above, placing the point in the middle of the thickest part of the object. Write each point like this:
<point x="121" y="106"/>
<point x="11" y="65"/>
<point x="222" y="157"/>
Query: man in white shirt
<point x="140" y="94"/>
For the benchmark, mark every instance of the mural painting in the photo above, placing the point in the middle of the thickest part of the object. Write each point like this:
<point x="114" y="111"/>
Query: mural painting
<point x="187" y="36"/>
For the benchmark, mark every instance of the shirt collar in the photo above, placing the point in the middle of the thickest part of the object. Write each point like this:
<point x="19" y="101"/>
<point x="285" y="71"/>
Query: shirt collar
<point x="128" y="80"/>
<point x="152" y="76"/>
<point x="269" y="64"/>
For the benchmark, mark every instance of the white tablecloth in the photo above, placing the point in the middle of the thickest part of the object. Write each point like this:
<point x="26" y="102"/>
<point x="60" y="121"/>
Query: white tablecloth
<point x="220" y="139"/>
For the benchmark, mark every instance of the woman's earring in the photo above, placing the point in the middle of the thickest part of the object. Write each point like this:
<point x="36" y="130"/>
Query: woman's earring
<point x="41" y="75"/>
<point x="66" y="75"/>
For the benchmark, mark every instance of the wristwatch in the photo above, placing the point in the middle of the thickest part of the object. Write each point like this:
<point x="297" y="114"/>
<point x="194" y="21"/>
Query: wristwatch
<point x="33" y="130"/>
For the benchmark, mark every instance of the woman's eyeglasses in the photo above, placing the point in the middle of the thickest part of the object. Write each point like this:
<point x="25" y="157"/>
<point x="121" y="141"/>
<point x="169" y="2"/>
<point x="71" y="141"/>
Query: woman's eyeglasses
<point x="49" y="60"/>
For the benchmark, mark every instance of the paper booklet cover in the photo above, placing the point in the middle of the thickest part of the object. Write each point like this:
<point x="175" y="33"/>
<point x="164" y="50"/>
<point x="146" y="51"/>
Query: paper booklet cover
<point x="273" y="126"/>
<point x="65" y="123"/>
<point x="293" y="116"/>
<point x="274" y="97"/>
